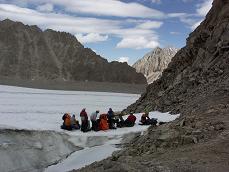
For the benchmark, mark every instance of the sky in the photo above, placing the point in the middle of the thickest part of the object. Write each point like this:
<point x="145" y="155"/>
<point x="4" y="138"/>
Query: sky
<point x="118" y="30"/>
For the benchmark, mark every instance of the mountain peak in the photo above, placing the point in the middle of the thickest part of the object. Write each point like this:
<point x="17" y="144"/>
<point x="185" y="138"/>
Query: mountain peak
<point x="154" y="62"/>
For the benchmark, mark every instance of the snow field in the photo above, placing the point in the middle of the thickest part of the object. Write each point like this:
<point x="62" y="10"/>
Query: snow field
<point x="36" y="109"/>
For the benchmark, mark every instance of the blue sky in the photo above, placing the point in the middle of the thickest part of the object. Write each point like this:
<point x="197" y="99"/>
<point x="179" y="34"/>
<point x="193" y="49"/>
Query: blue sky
<point x="121" y="30"/>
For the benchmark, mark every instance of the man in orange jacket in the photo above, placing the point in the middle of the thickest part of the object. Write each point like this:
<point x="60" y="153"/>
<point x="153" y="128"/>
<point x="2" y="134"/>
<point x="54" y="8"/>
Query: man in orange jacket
<point x="67" y="122"/>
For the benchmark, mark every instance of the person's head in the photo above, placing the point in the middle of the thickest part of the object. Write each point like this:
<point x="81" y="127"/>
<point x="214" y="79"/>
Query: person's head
<point x="147" y="113"/>
<point x="110" y="109"/>
<point x="131" y="113"/>
<point x="97" y="111"/>
<point x="73" y="116"/>
<point x="84" y="109"/>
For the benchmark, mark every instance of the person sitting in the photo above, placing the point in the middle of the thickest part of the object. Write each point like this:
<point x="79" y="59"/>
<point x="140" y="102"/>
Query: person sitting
<point x="74" y="123"/>
<point x="94" y="121"/>
<point x="130" y="121"/>
<point x="120" y="121"/>
<point x="111" y="121"/>
<point x="103" y="123"/>
<point x="145" y="119"/>
<point x="67" y="122"/>
<point x="85" y="125"/>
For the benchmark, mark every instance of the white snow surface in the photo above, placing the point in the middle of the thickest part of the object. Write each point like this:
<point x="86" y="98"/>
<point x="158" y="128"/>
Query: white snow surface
<point x="37" y="109"/>
<point x="85" y="157"/>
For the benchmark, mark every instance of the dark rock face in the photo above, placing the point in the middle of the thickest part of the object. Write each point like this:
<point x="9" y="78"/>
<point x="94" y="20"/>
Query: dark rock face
<point x="196" y="85"/>
<point x="28" y="53"/>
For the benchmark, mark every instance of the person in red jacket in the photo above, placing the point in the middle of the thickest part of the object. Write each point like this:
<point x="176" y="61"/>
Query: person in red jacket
<point x="130" y="121"/>
<point x="85" y="126"/>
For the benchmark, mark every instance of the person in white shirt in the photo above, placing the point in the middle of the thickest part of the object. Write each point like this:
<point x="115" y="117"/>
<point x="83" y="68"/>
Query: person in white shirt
<point x="93" y="119"/>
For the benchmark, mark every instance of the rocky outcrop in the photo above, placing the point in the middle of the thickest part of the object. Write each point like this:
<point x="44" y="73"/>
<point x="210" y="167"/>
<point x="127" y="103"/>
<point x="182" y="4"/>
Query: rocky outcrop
<point x="155" y="62"/>
<point x="28" y="53"/>
<point x="196" y="85"/>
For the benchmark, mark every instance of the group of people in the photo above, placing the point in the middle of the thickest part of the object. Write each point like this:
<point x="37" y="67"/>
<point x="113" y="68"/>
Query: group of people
<point x="103" y="121"/>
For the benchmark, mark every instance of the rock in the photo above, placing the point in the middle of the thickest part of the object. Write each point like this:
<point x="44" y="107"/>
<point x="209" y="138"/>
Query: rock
<point x="153" y="63"/>
<point x="195" y="140"/>
<point x="219" y="127"/>
<point x="187" y="140"/>
<point x="211" y="128"/>
<point x="50" y="55"/>
<point x="182" y="123"/>
<point x="197" y="132"/>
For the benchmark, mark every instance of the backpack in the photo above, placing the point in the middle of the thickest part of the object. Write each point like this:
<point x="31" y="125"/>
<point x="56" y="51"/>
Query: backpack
<point x="63" y="117"/>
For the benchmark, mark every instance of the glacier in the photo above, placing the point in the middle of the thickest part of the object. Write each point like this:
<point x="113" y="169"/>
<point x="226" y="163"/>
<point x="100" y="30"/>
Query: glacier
<point x="30" y="134"/>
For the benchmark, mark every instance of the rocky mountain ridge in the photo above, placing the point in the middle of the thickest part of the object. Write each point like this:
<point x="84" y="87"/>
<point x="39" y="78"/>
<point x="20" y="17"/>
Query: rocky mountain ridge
<point x="153" y="63"/>
<point x="28" y="53"/>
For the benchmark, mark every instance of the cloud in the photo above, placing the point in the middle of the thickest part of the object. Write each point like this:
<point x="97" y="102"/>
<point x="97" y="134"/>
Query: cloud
<point x="22" y="3"/>
<point x="123" y="59"/>
<point x="189" y="19"/>
<point x="193" y="20"/>
<point x="88" y="29"/>
<point x="156" y="1"/>
<point x="45" y="7"/>
<point x="172" y="15"/>
<point x="60" y="22"/>
<point x="150" y="25"/>
<point x="202" y="10"/>
<point x="204" y="7"/>
<point x="111" y="8"/>
<point x="175" y="33"/>
<point x="138" y="42"/>
<point x="115" y="8"/>
<point x="195" y="25"/>
<point x="91" y="37"/>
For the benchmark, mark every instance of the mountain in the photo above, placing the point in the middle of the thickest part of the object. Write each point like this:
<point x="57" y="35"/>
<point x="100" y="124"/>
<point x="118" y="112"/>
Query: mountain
<point x="195" y="85"/>
<point x="154" y="62"/>
<point x="28" y="53"/>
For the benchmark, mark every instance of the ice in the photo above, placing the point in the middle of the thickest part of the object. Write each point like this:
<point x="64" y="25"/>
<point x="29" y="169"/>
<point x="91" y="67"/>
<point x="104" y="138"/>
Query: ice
<point x="37" y="109"/>
<point x="85" y="157"/>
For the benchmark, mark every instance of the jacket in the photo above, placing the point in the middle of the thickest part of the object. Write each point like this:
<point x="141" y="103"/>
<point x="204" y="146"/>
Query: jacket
<point x="131" y="118"/>
<point x="67" y="121"/>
